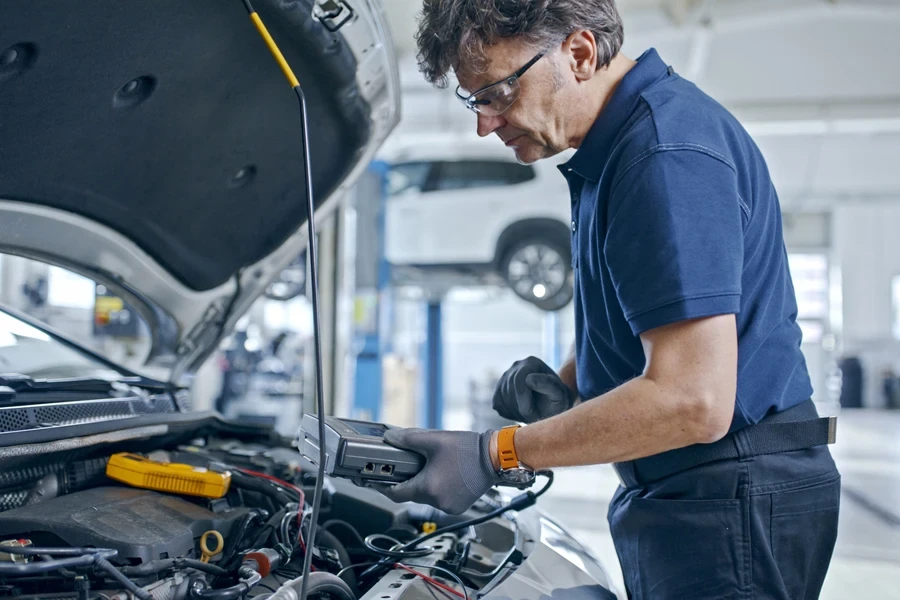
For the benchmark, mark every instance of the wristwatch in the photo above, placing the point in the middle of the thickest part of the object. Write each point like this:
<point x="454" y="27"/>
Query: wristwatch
<point x="512" y="472"/>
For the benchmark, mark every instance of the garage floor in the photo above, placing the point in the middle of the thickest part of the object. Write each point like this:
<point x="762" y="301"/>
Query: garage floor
<point x="867" y="556"/>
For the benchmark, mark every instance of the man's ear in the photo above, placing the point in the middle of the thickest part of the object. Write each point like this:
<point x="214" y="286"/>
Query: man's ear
<point x="581" y="48"/>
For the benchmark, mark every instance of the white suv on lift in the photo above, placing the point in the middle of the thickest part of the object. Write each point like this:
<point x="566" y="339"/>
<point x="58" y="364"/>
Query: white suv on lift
<point x="462" y="206"/>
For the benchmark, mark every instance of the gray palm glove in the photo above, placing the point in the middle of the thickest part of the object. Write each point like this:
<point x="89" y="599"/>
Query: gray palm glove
<point x="530" y="391"/>
<point x="457" y="472"/>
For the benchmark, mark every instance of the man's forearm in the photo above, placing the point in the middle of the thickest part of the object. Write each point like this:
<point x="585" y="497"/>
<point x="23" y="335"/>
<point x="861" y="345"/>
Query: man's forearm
<point x="567" y="374"/>
<point x="634" y="420"/>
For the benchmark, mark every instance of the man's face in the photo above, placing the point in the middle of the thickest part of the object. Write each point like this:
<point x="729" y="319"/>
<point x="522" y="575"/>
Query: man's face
<point x="534" y="126"/>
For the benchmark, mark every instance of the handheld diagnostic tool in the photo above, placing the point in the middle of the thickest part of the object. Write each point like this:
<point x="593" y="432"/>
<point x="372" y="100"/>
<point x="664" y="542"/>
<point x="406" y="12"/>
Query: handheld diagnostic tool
<point x="356" y="450"/>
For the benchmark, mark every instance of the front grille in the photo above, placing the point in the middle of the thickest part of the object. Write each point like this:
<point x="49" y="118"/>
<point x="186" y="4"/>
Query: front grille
<point x="21" y="418"/>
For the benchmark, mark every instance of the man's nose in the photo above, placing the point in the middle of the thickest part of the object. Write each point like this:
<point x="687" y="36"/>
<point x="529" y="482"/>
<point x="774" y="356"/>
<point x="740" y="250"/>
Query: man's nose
<point x="489" y="124"/>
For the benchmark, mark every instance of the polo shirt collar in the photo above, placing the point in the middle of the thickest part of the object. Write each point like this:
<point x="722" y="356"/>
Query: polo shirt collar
<point x="590" y="157"/>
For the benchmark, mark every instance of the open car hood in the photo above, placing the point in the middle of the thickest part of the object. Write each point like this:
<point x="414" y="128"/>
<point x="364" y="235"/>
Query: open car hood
<point x="156" y="146"/>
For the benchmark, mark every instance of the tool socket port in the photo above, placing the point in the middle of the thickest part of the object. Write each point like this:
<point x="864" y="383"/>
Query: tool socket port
<point x="370" y="468"/>
<point x="387" y="469"/>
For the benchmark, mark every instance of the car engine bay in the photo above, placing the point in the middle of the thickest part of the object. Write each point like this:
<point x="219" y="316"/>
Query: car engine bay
<point x="70" y="530"/>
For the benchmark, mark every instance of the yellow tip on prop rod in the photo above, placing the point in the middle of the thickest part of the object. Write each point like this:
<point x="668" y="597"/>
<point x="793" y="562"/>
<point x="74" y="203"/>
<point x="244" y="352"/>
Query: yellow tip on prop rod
<point x="273" y="48"/>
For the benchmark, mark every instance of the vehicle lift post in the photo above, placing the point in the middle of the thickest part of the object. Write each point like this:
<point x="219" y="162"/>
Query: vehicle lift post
<point x="552" y="348"/>
<point x="433" y="360"/>
<point x="371" y="310"/>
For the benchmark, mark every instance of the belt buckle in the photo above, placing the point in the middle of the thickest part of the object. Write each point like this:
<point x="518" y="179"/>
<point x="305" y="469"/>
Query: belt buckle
<point x="832" y="429"/>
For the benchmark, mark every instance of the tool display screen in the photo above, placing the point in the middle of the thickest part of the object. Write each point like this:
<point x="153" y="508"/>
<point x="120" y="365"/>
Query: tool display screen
<point x="370" y="429"/>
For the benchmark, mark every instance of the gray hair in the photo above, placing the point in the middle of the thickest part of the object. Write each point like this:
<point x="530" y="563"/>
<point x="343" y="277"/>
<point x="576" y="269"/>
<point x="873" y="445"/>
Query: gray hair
<point x="455" y="32"/>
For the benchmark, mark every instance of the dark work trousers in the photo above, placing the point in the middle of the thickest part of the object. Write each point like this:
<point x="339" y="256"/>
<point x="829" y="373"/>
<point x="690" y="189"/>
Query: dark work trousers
<point x="761" y="527"/>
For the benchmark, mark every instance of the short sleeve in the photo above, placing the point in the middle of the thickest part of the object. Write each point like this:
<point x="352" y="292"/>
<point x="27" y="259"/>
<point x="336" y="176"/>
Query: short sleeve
<point x="674" y="243"/>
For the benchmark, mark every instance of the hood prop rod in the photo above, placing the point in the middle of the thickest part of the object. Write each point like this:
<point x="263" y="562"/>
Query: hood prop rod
<point x="313" y="261"/>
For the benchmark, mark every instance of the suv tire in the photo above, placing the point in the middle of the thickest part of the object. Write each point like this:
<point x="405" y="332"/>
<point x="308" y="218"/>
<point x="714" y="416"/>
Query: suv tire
<point x="538" y="269"/>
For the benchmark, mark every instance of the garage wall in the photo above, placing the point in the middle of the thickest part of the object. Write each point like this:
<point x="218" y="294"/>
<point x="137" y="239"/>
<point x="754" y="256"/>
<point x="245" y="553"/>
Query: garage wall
<point x="867" y="249"/>
<point x="482" y="340"/>
<point x="482" y="337"/>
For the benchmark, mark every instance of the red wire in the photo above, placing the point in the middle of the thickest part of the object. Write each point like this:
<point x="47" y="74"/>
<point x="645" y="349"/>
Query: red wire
<point x="433" y="582"/>
<point x="280" y="482"/>
<point x="289" y="486"/>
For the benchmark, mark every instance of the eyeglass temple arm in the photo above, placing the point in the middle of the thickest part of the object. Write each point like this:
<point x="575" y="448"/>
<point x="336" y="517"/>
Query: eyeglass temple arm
<point x="517" y="74"/>
<point x="529" y="64"/>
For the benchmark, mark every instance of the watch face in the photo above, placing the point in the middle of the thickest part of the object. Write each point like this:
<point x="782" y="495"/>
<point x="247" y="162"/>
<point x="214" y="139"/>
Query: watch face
<point x="517" y="476"/>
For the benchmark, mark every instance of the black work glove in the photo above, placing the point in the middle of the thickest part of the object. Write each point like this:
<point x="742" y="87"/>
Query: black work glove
<point x="530" y="391"/>
<point x="457" y="472"/>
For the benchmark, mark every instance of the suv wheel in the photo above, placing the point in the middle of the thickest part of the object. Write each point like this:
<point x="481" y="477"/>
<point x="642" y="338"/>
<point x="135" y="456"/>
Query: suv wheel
<point x="539" y="271"/>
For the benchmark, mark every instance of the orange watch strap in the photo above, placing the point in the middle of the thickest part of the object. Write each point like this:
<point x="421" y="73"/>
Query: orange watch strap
<point x="506" y="449"/>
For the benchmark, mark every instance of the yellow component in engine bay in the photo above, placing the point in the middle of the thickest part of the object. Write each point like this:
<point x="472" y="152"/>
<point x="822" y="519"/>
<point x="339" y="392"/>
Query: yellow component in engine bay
<point x="175" y="478"/>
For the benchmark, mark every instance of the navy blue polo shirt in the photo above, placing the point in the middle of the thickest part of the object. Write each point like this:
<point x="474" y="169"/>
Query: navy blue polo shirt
<point x="674" y="216"/>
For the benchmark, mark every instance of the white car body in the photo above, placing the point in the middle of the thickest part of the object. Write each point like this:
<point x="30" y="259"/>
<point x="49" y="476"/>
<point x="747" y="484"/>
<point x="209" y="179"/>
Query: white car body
<point x="463" y="226"/>
<point x="461" y="205"/>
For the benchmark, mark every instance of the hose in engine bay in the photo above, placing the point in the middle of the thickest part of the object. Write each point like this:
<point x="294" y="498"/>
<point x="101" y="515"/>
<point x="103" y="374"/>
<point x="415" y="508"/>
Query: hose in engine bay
<point x="520" y="502"/>
<point x="316" y="583"/>
<point x="78" y="557"/>
<point x="248" y="576"/>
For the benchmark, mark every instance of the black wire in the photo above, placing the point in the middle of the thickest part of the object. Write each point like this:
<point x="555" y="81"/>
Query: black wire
<point x="347" y="526"/>
<point x="237" y="537"/>
<point x="157" y="566"/>
<point x="126" y="583"/>
<point x="356" y="565"/>
<point x="263" y="585"/>
<point x="396" y="550"/>
<point x="518" y="503"/>
<point x="268" y="530"/>
<point x="248" y="7"/>
<point x="455" y="577"/>
<point x="549" y="475"/>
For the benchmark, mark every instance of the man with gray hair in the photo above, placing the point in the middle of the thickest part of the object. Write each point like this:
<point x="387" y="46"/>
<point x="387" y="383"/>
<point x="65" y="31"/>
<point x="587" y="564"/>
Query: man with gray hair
<point x="687" y="373"/>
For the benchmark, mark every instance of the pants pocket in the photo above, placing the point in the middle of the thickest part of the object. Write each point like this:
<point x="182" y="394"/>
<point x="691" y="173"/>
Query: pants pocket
<point x="804" y="528"/>
<point x="681" y="548"/>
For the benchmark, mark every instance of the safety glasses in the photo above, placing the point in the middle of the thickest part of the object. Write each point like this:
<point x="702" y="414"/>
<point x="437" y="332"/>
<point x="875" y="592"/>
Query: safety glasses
<point x="496" y="98"/>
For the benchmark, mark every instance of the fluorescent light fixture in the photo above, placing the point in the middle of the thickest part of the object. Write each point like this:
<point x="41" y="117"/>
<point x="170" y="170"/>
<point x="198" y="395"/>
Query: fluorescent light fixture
<point x="823" y="127"/>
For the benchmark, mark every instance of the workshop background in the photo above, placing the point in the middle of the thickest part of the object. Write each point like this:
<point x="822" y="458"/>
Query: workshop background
<point x="448" y="261"/>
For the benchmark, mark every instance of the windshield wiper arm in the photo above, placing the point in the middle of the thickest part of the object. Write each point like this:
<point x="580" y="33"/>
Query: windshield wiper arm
<point x="12" y="384"/>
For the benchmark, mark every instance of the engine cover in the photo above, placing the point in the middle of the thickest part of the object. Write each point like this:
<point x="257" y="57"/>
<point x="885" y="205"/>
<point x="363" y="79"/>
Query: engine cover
<point x="140" y="524"/>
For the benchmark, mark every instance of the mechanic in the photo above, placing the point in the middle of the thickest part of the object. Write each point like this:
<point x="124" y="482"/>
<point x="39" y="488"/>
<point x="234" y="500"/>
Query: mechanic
<point x="687" y="373"/>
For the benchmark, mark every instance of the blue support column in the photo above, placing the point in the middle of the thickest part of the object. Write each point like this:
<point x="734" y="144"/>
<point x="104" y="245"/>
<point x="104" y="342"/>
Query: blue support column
<point x="552" y="347"/>
<point x="433" y="412"/>
<point x="372" y="302"/>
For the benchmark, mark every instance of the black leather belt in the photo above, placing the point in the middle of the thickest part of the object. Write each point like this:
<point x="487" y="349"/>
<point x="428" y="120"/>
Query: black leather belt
<point x="796" y="428"/>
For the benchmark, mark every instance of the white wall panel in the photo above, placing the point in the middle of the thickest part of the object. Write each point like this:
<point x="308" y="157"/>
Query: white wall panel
<point x="859" y="164"/>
